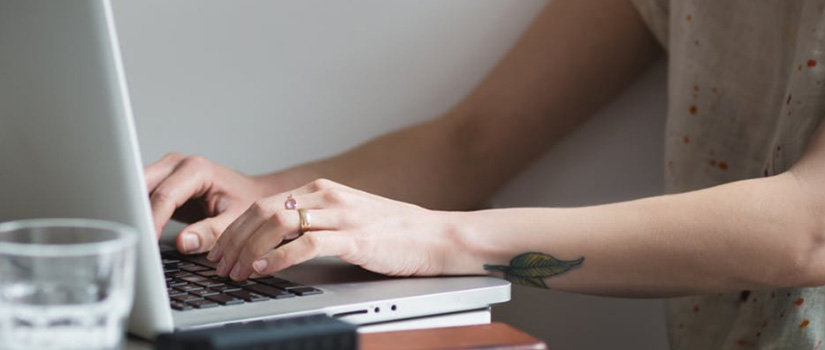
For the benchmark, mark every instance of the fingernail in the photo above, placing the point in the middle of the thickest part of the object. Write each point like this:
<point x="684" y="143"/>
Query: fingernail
<point x="259" y="265"/>
<point x="191" y="242"/>
<point x="221" y="267"/>
<point x="236" y="272"/>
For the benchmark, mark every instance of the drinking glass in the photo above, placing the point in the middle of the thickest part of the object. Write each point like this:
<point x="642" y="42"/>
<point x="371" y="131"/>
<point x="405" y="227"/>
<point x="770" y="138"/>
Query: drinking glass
<point x="65" y="283"/>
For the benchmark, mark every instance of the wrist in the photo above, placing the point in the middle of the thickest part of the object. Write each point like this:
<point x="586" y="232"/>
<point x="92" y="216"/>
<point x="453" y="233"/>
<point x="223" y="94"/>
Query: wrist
<point x="466" y="249"/>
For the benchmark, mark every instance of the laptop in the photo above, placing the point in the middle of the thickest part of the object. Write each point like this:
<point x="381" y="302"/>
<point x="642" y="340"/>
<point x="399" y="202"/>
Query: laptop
<point x="68" y="148"/>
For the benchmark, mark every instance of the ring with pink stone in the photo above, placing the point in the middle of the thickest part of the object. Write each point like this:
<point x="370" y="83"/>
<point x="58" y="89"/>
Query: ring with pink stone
<point x="290" y="203"/>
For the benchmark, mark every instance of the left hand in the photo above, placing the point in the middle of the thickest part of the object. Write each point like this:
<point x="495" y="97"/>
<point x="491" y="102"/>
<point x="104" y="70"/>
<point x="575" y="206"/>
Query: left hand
<point x="379" y="234"/>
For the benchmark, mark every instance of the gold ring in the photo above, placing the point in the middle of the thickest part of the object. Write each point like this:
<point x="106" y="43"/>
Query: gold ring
<point x="304" y="215"/>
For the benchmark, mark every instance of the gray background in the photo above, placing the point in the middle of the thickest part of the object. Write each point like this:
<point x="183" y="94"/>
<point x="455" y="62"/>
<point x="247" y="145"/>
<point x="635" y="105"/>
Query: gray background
<point x="262" y="85"/>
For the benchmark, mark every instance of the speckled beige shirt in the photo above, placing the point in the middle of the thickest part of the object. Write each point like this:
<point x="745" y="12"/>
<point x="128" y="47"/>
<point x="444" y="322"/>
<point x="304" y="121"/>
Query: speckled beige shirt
<point x="745" y="93"/>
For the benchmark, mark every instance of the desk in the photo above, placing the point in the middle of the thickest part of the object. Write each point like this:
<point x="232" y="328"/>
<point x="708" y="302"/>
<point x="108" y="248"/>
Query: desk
<point x="467" y="318"/>
<point x="492" y="335"/>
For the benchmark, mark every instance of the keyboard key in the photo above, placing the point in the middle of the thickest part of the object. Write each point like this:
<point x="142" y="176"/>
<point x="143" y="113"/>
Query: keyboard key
<point x="179" y="274"/>
<point x="248" y="296"/>
<point x="206" y="272"/>
<point x="174" y="292"/>
<point x="167" y="261"/>
<point x="244" y="283"/>
<point x="202" y="304"/>
<point x="207" y="283"/>
<point x="271" y="292"/>
<point x="279" y="283"/>
<point x="199" y="259"/>
<point x="291" y="286"/>
<point x="271" y="281"/>
<point x="170" y="253"/>
<point x="169" y="269"/>
<point x="188" y="288"/>
<point x="175" y="283"/>
<point x="225" y="299"/>
<point x="195" y="268"/>
<point x="193" y="279"/>
<point x="304" y="291"/>
<point x="180" y="306"/>
<point x="227" y="280"/>
<point x="226" y="288"/>
<point x="187" y="298"/>
<point x="203" y="292"/>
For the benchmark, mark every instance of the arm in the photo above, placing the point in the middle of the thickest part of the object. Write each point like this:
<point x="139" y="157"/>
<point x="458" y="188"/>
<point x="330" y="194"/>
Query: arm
<point x="575" y="56"/>
<point x="757" y="233"/>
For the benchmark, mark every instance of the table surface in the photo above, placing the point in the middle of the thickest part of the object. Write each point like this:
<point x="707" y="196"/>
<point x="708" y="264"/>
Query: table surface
<point x="492" y="335"/>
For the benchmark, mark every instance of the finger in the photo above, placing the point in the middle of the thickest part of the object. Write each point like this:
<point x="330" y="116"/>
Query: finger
<point x="272" y="233"/>
<point x="311" y="245"/>
<point x="199" y="237"/>
<point x="157" y="171"/>
<point x="184" y="183"/>
<point x="238" y="231"/>
<point x="247" y="221"/>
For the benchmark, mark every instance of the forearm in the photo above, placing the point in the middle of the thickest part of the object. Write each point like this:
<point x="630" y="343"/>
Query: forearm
<point x="747" y="234"/>
<point x="575" y="57"/>
<point x="419" y="164"/>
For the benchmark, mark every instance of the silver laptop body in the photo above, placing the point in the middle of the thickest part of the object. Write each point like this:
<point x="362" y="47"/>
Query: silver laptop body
<point x="68" y="148"/>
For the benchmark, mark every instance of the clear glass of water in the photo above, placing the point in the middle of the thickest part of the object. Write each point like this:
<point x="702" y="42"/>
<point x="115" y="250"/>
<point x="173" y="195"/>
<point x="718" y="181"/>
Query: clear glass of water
<point x="65" y="283"/>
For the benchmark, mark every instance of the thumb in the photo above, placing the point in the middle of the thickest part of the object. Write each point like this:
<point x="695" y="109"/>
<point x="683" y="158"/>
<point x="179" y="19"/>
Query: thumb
<point x="199" y="237"/>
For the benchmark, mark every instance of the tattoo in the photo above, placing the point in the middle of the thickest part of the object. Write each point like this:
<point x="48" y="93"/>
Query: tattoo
<point x="532" y="268"/>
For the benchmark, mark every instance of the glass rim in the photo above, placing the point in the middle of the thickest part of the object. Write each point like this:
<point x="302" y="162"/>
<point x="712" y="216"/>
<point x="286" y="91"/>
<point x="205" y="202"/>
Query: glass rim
<point x="125" y="236"/>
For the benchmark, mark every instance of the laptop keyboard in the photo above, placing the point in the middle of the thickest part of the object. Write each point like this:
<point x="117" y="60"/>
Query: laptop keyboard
<point x="193" y="283"/>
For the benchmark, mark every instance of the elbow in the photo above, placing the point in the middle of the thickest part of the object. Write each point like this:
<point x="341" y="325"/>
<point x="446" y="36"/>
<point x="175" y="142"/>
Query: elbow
<point x="803" y="257"/>
<point x="808" y="262"/>
<point x="794" y="235"/>
<point x="807" y="266"/>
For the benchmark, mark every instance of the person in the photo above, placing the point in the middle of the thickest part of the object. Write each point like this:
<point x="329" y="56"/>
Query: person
<point x="738" y="241"/>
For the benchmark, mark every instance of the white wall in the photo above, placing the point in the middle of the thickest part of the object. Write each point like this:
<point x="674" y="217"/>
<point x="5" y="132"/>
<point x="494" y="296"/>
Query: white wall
<point x="262" y="85"/>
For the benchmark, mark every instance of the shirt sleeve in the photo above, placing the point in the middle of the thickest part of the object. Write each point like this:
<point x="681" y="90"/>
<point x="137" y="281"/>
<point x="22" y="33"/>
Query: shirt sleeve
<point x="656" y="15"/>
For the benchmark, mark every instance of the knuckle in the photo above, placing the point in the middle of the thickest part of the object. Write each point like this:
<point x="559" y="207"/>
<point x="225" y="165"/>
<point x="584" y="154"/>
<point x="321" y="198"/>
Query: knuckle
<point x="334" y="196"/>
<point x="213" y="230"/>
<point x="260" y="208"/>
<point x="360" y="243"/>
<point x="253" y="252"/>
<point x="347" y="219"/>
<point x="256" y="248"/>
<point x="282" y="258"/>
<point x="351" y="248"/>
<point x="279" y="218"/>
<point x="173" y="156"/>
<point x="197" y="162"/>
<point x="321" y="184"/>
<point x="313" y="241"/>
<point x="161" y="195"/>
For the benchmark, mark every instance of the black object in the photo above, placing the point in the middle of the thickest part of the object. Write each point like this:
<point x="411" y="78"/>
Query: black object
<point x="316" y="332"/>
<point x="191" y="278"/>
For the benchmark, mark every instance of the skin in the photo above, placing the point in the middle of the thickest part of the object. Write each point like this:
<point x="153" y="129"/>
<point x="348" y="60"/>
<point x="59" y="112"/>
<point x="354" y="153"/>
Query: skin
<point x="574" y="58"/>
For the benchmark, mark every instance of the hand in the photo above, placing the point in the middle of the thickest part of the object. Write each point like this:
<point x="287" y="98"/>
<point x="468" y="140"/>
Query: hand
<point x="199" y="192"/>
<point x="379" y="234"/>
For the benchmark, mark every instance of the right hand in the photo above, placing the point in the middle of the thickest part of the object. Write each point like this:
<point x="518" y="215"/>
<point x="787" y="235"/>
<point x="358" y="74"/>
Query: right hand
<point x="196" y="191"/>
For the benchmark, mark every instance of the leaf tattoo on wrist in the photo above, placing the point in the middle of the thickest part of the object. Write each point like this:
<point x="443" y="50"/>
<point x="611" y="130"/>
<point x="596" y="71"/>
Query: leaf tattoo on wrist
<point x="532" y="268"/>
